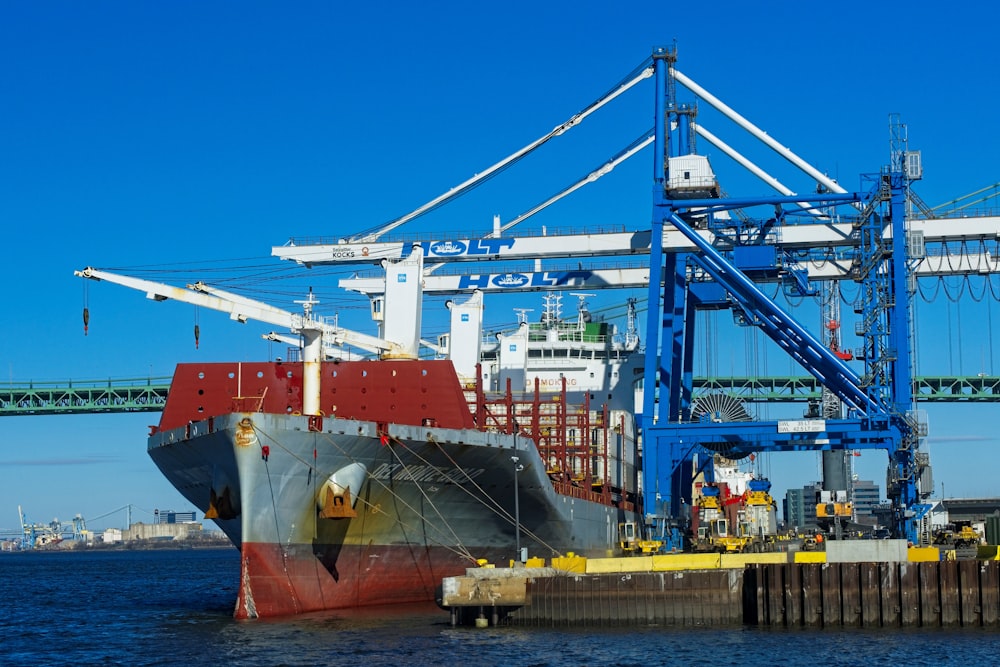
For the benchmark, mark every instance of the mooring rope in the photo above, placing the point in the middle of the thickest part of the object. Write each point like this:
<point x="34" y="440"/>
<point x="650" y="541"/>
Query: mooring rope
<point x="461" y="551"/>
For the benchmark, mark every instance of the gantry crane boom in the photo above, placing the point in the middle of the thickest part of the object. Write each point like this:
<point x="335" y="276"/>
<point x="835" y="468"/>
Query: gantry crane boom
<point x="964" y="246"/>
<point x="794" y="237"/>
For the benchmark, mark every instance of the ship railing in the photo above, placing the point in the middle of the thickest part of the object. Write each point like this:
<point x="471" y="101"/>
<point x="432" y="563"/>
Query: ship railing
<point x="571" y="439"/>
<point x="574" y="490"/>
<point x="566" y="336"/>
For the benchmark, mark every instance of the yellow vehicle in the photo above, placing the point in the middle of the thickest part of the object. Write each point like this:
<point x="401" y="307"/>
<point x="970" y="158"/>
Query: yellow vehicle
<point x="751" y="526"/>
<point x="630" y="542"/>
<point x="717" y="537"/>
<point x="958" y="534"/>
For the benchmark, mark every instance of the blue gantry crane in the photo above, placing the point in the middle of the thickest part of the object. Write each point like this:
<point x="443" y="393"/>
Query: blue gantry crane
<point x="705" y="252"/>
<point x="877" y="408"/>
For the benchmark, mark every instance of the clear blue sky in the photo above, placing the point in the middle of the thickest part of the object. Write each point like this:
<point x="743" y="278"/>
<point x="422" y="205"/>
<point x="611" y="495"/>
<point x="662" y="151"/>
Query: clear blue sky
<point x="157" y="136"/>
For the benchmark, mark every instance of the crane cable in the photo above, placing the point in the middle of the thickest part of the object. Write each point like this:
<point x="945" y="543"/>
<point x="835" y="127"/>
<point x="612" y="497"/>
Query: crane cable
<point x="373" y="508"/>
<point x="644" y="71"/>
<point x="989" y="325"/>
<point x="500" y="511"/>
<point x="496" y="507"/>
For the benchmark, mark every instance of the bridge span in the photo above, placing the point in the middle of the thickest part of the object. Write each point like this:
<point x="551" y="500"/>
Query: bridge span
<point x="150" y="394"/>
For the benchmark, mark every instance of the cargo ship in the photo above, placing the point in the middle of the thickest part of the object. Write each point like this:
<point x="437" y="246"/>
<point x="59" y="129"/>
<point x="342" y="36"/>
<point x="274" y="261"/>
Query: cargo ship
<point x="365" y="482"/>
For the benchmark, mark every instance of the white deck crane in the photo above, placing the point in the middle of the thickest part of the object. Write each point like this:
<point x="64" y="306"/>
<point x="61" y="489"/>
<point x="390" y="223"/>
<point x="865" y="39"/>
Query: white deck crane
<point x="402" y="332"/>
<point x="243" y="309"/>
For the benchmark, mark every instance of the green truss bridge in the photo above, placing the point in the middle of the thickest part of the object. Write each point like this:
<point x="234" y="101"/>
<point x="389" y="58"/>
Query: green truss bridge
<point x="150" y="394"/>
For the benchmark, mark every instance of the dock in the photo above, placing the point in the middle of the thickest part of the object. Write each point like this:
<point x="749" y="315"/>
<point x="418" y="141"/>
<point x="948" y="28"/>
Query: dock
<point x="840" y="588"/>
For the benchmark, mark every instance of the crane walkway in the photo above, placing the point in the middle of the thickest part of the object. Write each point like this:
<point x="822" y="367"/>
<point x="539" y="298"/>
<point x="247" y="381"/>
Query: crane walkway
<point x="150" y="394"/>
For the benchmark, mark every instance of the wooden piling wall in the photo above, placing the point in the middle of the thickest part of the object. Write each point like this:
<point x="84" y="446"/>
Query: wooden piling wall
<point x="964" y="593"/>
<point x="961" y="593"/>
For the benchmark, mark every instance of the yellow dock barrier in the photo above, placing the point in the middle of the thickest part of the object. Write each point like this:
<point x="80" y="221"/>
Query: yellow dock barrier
<point x="669" y="562"/>
<point x="570" y="563"/>
<point x="923" y="554"/>
<point x="810" y="556"/>
<point x="615" y="565"/>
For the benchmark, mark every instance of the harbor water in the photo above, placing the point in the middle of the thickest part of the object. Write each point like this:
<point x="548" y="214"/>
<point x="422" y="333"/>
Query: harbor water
<point x="174" y="607"/>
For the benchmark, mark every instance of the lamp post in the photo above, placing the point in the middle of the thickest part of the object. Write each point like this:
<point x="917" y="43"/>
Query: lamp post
<point x="517" y="509"/>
